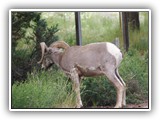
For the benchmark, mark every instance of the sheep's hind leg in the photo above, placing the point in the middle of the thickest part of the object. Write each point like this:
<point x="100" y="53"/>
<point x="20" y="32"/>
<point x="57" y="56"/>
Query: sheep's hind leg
<point x="118" y="85"/>
<point x="124" y="84"/>
<point x="76" y="87"/>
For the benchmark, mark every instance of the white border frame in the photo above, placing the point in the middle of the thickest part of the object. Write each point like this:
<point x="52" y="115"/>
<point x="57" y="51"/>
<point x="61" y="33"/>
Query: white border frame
<point x="81" y="10"/>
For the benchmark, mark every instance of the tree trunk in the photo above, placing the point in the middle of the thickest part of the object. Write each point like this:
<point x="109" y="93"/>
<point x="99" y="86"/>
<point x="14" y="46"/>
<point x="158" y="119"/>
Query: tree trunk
<point x="133" y="20"/>
<point x="125" y="30"/>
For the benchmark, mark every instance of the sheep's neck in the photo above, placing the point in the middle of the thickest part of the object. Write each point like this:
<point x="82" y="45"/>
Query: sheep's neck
<point x="58" y="60"/>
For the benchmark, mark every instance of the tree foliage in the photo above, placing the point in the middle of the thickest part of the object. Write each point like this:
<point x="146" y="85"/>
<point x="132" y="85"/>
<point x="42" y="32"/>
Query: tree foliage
<point x="20" y="22"/>
<point x="29" y="29"/>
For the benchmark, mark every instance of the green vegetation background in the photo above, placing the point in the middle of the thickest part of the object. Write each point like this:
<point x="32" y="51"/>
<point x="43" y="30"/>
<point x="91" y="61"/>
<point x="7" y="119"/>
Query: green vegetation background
<point x="51" y="89"/>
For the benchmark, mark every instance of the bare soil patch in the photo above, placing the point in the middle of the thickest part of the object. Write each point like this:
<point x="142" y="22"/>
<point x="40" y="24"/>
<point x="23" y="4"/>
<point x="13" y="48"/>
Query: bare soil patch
<point x="142" y="105"/>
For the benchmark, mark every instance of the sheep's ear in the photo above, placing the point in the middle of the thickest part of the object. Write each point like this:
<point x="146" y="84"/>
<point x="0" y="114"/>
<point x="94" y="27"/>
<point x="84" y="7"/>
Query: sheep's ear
<point x="49" y="50"/>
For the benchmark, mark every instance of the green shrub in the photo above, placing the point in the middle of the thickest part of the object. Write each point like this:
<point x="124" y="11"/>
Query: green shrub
<point x="97" y="92"/>
<point x="28" y="30"/>
<point x="134" y="71"/>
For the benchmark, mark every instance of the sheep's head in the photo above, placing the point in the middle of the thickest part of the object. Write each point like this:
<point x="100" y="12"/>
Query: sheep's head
<point x="51" y="55"/>
<point x="46" y="60"/>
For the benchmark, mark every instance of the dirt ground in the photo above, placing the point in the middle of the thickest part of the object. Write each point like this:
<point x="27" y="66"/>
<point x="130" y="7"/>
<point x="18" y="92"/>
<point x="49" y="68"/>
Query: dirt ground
<point x="142" y="105"/>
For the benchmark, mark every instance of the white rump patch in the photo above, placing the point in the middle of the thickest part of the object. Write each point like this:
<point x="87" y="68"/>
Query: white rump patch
<point x="115" y="51"/>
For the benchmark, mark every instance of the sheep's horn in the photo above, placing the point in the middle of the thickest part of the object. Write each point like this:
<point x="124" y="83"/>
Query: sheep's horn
<point x="60" y="44"/>
<point x="43" y="48"/>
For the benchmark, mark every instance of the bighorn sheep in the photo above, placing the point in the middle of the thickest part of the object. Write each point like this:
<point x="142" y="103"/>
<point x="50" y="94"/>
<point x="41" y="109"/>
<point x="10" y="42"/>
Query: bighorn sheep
<point x="102" y="58"/>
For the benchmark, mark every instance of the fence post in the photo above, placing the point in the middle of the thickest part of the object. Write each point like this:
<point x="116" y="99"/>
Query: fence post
<point x="78" y="28"/>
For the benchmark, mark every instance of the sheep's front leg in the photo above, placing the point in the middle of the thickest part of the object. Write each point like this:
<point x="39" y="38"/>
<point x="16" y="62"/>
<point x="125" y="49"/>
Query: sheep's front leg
<point x="76" y="87"/>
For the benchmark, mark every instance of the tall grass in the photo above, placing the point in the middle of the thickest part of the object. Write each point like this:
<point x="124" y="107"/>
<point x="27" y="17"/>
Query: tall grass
<point x="134" y="70"/>
<point x="98" y="27"/>
<point x="66" y="24"/>
<point x="43" y="90"/>
<point x="139" y="39"/>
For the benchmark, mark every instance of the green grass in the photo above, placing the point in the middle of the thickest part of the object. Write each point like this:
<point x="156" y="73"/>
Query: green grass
<point x="98" y="27"/>
<point x="66" y="24"/>
<point x="140" y="39"/>
<point x="43" y="90"/>
<point x="93" y="30"/>
<point x="134" y="70"/>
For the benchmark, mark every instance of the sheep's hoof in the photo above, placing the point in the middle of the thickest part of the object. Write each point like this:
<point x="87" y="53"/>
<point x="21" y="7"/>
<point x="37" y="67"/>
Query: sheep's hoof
<point x="79" y="106"/>
<point x="124" y="105"/>
<point x="118" y="106"/>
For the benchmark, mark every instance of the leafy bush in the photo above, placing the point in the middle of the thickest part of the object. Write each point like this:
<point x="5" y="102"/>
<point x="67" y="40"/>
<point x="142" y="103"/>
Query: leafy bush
<point x="98" y="92"/>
